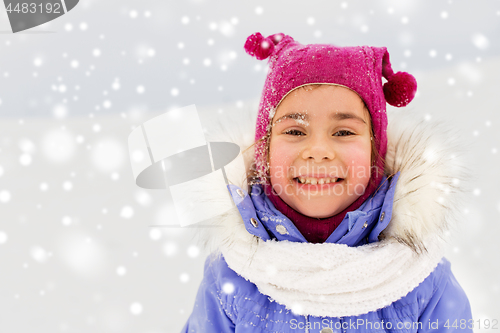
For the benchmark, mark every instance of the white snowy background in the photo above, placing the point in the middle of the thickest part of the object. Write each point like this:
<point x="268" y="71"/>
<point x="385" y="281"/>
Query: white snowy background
<point x="78" y="248"/>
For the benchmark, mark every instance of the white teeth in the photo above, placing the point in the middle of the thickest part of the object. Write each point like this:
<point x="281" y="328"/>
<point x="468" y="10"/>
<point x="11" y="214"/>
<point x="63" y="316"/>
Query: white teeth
<point x="314" y="181"/>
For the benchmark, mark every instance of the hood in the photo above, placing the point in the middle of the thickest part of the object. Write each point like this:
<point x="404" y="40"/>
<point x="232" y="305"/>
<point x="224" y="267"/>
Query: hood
<point x="429" y="155"/>
<point x="310" y="278"/>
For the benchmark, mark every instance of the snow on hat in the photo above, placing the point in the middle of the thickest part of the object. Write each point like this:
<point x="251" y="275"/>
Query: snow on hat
<point x="359" y="68"/>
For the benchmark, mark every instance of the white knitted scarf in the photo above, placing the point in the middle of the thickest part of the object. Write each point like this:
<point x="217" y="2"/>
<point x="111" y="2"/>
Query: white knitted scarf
<point x="333" y="280"/>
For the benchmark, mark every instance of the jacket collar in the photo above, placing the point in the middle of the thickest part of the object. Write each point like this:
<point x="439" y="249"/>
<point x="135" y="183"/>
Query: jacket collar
<point x="358" y="227"/>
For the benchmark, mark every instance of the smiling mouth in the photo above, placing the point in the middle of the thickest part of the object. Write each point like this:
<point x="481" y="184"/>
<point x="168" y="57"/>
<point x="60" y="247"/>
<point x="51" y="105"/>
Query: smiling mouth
<point x="317" y="181"/>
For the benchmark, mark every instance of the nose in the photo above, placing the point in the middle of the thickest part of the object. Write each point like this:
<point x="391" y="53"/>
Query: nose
<point x="318" y="149"/>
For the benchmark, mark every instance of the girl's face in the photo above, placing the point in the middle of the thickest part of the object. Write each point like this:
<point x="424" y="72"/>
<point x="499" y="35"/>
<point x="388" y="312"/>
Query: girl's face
<point x="320" y="150"/>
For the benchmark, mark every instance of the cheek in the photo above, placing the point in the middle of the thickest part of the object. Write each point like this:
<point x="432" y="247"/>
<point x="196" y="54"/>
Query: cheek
<point x="359" y="161"/>
<point x="280" y="159"/>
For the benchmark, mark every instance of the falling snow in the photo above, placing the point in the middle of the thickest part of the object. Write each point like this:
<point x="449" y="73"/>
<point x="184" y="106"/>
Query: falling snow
<point x="228" y="288"/>
<point x="480" y="41"/>
<point x="127" y="212"/>
<point x="184" y="277"/>
<point x="4" y="196"/>
<point x="121" y="271"/>
<point x="136" y="308"/>
<point x="3" y="237"/>
<point x="155" y="234"/>
<point x="170" y="249"/>
<point x="193" y="251"/>
<point x="39" y="254"/>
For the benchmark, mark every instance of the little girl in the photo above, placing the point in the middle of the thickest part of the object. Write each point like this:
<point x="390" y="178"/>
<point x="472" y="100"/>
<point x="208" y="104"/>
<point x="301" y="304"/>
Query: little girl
<point x="342" y="228"/>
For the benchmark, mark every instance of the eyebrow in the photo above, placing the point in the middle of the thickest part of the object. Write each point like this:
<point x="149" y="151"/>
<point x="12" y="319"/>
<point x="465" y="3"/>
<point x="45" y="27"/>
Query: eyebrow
<point x="304" y="116"/>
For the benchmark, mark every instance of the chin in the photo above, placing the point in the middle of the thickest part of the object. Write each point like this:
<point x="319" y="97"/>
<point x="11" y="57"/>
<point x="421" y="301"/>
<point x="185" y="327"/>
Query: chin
<point x="318" y="213"/>
<point x="324" y="216"/>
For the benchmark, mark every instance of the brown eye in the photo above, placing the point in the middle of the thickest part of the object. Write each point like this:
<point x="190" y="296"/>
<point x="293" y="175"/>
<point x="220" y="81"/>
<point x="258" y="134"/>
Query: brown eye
<point x="294" y="132"/>
<point x="344" y="133"/>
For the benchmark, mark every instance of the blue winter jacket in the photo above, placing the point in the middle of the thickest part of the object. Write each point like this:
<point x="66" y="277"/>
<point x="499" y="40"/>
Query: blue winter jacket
<point x="438" y="304"/>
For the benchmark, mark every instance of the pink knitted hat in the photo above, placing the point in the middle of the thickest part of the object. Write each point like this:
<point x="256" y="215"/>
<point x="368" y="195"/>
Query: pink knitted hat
<point x="359" y="68"/>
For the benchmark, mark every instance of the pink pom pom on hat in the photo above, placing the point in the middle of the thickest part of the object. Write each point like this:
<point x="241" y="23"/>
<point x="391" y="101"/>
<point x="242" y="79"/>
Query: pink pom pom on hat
<point x="260" y="47"/>
<point x="359" y="68"/>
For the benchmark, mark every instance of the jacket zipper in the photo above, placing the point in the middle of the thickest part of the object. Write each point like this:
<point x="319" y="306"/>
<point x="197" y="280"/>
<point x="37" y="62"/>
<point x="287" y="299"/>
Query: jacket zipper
<point x="307" y="321"/>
